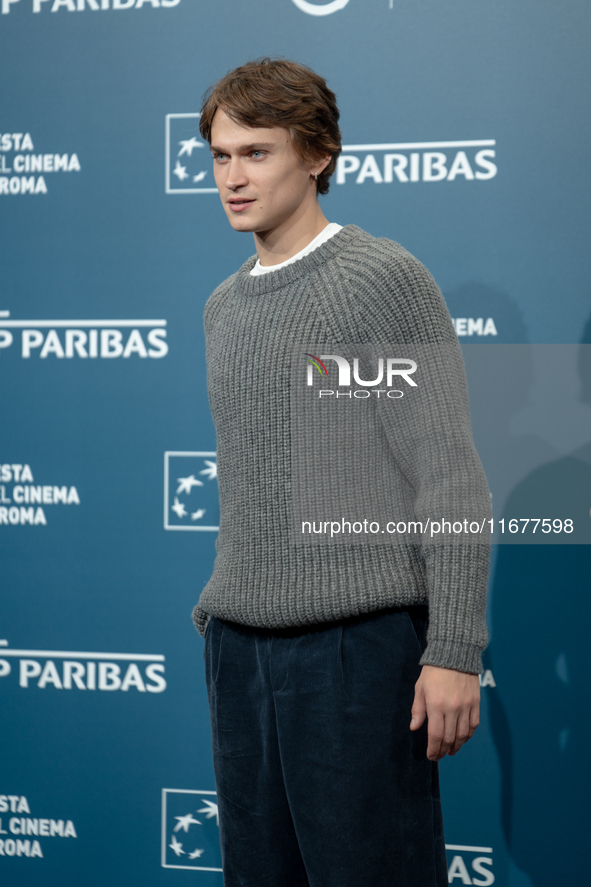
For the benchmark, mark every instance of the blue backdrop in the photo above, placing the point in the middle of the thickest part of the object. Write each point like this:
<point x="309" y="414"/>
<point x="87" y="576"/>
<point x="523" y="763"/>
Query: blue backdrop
<point x="465" y="139"/>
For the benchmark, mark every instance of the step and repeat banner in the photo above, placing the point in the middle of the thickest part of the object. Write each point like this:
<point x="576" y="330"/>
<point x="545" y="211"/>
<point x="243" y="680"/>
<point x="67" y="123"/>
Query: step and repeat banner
<point x="466" y="140"/>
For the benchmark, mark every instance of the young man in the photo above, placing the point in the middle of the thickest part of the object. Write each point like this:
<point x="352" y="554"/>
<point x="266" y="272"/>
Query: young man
<point x="330" y="701"/>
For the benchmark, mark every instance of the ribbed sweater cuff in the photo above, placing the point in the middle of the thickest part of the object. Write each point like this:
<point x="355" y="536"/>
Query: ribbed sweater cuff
<point x="453" y="654"/>
<point x="200" y="619"/>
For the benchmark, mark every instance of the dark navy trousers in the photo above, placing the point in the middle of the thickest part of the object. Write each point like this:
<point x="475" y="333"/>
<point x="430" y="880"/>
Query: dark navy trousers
<point x="320" y="781"/>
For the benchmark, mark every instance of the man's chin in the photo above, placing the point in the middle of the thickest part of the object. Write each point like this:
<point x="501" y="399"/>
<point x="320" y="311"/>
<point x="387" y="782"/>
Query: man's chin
<point x="240" y="222"/>
<point x="245" y="225"/>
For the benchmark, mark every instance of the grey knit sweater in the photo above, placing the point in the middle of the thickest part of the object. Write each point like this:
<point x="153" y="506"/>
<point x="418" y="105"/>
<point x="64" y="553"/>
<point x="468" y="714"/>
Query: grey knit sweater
<point x="353" y="288"/>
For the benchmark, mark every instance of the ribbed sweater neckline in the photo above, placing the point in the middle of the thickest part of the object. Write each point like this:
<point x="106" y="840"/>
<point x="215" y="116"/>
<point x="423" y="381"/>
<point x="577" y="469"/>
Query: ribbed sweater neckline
<point x="256" y="285"/>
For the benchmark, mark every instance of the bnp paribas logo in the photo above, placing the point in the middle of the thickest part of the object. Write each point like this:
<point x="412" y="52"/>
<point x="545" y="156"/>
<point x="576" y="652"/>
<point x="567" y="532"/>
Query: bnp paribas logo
<point x="190" y="830"/>
<point x="326" y="8"/>
<point x="191" y="500"/>
<point x="187" y="157"/>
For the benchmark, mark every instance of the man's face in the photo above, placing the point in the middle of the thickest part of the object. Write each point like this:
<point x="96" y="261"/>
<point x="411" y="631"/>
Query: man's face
<point x="261" y="180"/>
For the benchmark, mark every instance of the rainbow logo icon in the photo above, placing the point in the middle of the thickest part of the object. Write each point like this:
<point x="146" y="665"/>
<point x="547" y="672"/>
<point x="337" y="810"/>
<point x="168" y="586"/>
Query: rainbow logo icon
<point x="315" y="361"/>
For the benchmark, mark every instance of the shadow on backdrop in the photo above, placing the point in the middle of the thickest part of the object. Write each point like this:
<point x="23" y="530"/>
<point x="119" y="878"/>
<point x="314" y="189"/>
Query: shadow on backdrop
<point x="539" y="715"/>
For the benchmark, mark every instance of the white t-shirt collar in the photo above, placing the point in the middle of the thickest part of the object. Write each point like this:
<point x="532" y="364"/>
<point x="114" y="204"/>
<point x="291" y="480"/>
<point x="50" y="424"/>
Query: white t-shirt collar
<point x="326" y="232"/>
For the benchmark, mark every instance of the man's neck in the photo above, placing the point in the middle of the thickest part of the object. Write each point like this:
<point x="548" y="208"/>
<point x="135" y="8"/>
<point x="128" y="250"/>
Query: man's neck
<point x="285" y="241"/>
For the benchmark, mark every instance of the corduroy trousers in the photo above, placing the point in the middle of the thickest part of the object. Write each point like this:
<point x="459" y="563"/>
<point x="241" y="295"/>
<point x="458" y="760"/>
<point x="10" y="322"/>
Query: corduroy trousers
<point x="320" y="781"/>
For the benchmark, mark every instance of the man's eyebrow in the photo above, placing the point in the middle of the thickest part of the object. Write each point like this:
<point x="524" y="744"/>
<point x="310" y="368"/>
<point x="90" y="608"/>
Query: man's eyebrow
<point x="254" y="146"/>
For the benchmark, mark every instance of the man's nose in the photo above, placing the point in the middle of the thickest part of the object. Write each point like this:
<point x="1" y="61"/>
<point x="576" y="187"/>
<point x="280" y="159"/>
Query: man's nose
<point x="235" y="176"/>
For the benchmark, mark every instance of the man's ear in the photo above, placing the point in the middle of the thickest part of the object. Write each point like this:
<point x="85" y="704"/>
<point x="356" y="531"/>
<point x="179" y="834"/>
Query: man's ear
<point x="320" y="164"/>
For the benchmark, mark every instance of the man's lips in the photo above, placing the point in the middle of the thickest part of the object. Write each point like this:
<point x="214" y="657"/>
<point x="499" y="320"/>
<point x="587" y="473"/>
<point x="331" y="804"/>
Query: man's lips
<point x="238" y="204"/>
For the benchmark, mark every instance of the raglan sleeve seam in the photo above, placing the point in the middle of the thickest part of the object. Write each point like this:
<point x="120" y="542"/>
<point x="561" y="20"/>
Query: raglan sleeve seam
<point x="457" y="632"/>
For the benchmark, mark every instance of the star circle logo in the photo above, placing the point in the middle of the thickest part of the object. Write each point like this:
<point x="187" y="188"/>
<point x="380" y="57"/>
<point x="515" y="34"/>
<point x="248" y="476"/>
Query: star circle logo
<point x="320" y="9"/>
<point x="190" y="499"/>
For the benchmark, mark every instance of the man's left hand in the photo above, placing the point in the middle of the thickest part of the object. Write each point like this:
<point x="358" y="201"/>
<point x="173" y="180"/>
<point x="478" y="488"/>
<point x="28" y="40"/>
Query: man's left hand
<point x="451" y="702"/>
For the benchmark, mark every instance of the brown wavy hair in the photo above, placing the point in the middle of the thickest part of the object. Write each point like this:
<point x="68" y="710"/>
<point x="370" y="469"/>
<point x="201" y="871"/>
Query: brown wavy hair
<point x="270" y="92"/>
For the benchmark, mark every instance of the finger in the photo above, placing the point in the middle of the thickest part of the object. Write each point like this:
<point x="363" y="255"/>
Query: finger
<point x="449" y="731"/>
<point x="463" y="733"/>
<point x="435" y="732"/>
<point x="418" y="710"/>
<point x="468" y="721"/>
<point x="474" y="717"/>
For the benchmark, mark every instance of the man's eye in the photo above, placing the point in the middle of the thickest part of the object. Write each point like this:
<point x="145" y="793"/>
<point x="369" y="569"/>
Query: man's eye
<point x="258" y="152"/>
